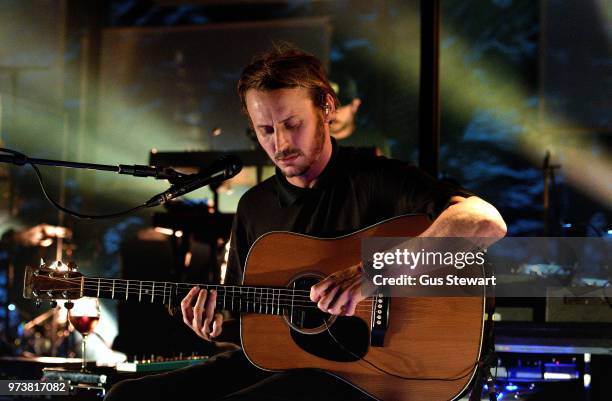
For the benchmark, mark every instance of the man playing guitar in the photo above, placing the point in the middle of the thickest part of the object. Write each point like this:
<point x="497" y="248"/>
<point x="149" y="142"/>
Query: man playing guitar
<point x="319" y="189"/>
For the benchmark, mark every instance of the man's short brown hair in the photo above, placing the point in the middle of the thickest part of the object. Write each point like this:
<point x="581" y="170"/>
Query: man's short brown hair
<point x="283" y="67"/>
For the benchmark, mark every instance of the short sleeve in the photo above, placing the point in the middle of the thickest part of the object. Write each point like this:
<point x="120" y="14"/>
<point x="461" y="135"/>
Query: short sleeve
<point x="409" y="190"/>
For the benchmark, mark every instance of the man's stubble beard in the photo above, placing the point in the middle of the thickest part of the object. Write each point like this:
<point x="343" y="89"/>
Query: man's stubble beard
<point x="316" y="153"/>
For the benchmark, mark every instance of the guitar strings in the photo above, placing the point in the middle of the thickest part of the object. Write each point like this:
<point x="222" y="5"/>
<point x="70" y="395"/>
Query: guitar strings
<point x="257" y="304"/>
<point x="169" y="291"/>
<point x="179" y="285"/>
<point x="237" y="297"/>
<point x="191" y="285"/>
<point x="152" y="286"/>
<point x="272" y="295"/>
<point x="222" y="291"/>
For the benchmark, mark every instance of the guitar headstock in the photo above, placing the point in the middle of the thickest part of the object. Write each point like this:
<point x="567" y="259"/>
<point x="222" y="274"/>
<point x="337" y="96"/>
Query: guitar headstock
<point x="53" y="282"/>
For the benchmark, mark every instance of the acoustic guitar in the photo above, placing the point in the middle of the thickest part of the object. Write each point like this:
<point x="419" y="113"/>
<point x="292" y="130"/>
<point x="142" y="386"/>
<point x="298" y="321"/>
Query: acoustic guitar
<point x="417" y="349"/>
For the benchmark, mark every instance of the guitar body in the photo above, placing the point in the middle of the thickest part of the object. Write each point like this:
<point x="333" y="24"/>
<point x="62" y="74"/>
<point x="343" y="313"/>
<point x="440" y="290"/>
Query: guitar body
<point x="434" y="337"/>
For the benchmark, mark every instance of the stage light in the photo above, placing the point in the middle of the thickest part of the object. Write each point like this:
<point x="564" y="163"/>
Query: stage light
<point x="587" y="380"/>
<point x="165" y="231"/>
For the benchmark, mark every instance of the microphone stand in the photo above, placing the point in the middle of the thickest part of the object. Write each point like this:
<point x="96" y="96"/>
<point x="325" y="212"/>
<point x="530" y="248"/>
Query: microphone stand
<point x="174" y="177"/>
<point x="135" y="170"/>
<point x="224" y="168"/>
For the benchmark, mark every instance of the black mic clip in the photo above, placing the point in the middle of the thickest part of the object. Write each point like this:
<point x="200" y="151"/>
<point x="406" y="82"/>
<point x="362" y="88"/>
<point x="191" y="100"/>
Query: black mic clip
<point x="159" y="173"/>
<point x="222" y="169"/>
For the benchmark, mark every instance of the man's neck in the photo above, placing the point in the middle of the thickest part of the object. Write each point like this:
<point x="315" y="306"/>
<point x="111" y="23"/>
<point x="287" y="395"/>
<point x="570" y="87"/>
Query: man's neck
<point x="309" y="179"/>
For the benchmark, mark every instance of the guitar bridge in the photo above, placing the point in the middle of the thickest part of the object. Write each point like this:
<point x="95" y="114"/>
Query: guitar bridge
<point x="379" y="321"/>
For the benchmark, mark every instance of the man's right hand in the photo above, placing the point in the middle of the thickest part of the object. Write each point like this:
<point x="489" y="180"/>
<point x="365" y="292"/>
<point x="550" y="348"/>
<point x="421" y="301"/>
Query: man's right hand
<point x="200" y="316"/>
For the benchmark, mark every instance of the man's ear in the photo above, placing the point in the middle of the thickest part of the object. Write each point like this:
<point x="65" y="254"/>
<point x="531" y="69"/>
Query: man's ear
<point x="329" y="101"/>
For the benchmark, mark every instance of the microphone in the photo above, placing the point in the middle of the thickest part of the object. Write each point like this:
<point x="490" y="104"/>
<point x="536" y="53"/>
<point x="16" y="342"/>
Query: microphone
<point x="221" y="169"/>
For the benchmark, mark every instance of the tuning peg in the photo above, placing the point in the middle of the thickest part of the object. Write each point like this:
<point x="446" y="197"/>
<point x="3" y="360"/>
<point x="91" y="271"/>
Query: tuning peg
<point x="37" y="303"/>
<point x="53" y="304"/>
<point x="42" y="262"/>
<point x="68" y="305"/>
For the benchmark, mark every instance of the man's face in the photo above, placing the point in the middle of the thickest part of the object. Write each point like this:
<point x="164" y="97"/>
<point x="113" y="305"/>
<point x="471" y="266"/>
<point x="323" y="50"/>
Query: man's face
<point x="290" y="129"/>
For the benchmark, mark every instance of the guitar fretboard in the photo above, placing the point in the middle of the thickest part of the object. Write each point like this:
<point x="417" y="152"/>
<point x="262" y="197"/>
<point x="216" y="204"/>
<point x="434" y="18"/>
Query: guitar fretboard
<point x="264" y="300"/>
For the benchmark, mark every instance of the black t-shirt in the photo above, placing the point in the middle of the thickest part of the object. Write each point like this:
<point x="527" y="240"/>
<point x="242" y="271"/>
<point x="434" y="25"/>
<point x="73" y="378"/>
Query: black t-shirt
<point x="355" y="190"/>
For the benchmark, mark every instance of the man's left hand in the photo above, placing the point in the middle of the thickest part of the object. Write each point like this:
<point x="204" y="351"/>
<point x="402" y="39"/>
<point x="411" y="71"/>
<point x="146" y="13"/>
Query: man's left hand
<point x="340" y="292"/>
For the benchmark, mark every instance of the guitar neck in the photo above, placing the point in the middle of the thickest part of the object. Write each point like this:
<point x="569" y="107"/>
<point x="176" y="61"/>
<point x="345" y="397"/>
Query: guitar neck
<point x="237" y="298"/>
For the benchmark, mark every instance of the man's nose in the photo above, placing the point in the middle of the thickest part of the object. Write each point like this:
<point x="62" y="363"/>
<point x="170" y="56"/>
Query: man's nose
<point x="282" y="140"/>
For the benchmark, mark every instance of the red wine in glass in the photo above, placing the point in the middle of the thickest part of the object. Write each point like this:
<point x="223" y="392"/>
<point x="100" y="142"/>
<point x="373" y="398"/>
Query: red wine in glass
<point x="84" y="317"/>
<point x="84" y="324"/>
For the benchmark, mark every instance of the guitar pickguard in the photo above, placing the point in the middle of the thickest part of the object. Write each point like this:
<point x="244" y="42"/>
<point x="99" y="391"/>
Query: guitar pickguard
<point x="348" y="341"/>
<point x="339" y="339"/>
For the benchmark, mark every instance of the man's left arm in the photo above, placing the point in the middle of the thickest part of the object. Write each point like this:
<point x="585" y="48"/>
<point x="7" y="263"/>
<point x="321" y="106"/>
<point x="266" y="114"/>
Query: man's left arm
<point x="466" y="217"/>
<point x="469" y="217"/>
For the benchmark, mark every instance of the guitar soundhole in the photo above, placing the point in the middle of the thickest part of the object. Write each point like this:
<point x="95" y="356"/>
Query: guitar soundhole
<point x="303" y="315"/>
<point x="340" y="339"/>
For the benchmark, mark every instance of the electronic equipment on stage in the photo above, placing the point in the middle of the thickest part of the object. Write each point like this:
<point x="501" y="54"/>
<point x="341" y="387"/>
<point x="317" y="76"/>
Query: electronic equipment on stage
<point x="530" y="376"/>
<point x="158" y="364"/>
<point x="78" y="380"/>
<point x="592" y="309"/>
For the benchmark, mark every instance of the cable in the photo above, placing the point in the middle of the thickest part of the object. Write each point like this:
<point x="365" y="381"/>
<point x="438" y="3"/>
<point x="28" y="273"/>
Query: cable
<point x="26" y="160"/>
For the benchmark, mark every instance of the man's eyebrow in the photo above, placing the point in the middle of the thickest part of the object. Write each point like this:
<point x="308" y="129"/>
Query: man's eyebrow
<point x="282" y="121"/>
<point x="288" y="118"/>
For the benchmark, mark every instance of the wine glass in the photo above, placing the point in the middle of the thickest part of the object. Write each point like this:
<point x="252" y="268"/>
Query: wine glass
<point x="84" y="316"/>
